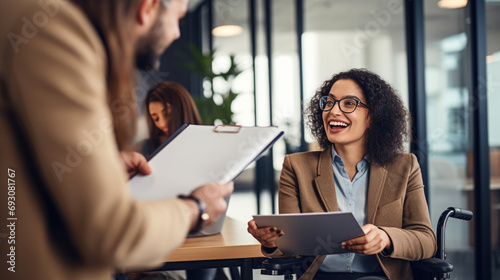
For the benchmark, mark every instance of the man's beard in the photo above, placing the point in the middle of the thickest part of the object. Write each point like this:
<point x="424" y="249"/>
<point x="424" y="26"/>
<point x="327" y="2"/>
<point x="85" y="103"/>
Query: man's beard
<point x="147" y="60"/>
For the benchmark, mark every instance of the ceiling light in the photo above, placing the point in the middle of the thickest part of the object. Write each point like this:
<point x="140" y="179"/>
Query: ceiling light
<point x="452" y="4"/>
<point x="489" y="59"/>
<point x="227" y="30"/>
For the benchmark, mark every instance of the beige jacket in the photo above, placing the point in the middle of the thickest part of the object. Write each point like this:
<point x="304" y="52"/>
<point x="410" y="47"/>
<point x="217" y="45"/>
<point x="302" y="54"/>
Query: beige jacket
<point x="396" y="203"/>
<point x="53" y="68"/>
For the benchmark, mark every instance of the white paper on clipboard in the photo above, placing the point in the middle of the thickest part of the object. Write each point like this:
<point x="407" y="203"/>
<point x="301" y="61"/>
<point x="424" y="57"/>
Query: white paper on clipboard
<point x="312" y="234"/>
<point x="200" y="154"/>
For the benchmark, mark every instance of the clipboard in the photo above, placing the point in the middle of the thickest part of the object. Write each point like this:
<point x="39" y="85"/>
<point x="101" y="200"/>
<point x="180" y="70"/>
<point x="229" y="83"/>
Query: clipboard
<point x="199" y="154"/>
<point x="312" y="234"/>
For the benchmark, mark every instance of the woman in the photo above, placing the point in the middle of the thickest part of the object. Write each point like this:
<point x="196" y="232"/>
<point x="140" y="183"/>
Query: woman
<point x="169" y="105"/>
<point x="362" y="125"/>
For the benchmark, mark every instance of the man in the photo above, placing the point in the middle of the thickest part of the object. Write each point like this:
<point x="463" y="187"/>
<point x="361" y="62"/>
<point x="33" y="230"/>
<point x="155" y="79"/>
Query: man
<point x="66" y="111"/>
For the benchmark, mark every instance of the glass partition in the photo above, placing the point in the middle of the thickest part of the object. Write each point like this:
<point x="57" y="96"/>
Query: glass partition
<point x="447" y="72"/>
<point x="238" y="44"/>
<point x="286" y="87"/>
<point x="234" y="13"/>
<point x="493" y="93"/>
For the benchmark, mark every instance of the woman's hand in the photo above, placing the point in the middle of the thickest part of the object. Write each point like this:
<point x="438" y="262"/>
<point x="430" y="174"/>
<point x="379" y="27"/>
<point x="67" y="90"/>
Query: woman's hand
<point x="373" y="242"/>
<point x="135" y="162"/>
<point x="266" y="235"/>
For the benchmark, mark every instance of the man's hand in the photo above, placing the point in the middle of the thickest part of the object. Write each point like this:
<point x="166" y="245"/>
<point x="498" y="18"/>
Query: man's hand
<point x="213" y="195"/>
<point x="373" y="242"/>
<point x="135" y="162"/>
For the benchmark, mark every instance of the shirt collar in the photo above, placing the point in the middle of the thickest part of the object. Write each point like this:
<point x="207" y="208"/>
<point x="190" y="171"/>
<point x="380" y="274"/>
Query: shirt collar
<point x="336" y="159"/>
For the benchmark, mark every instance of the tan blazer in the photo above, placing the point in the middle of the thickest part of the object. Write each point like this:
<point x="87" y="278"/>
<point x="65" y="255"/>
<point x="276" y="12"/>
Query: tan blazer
<point x="396" y="204"/>
<point x="53" y="67"/>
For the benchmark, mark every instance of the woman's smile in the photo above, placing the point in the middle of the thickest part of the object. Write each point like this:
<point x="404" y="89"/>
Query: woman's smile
<point x="337" y="125"/>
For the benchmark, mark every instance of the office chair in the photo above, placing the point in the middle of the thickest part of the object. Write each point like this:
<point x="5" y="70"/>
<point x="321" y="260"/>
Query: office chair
<point x="436" y="268"/>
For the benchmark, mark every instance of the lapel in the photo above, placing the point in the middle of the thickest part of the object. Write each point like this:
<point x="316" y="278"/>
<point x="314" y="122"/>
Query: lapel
<point x="324" y="181"/>
<point x="376" y="183"/>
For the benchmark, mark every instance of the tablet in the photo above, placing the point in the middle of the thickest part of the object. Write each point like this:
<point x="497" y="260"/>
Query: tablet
<point x="311" y="234"/>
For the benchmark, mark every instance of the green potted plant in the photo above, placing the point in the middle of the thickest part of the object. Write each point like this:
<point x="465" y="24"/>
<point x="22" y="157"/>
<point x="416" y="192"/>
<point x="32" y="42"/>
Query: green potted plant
<point x="210" y="110"/>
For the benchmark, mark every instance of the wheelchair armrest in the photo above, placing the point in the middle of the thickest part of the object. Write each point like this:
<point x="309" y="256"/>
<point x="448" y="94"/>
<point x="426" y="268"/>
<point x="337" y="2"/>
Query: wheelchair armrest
<point x="433" y="265"/>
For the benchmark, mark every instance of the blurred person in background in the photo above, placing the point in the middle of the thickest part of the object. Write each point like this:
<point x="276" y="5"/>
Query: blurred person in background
<point x="168" y="106"/>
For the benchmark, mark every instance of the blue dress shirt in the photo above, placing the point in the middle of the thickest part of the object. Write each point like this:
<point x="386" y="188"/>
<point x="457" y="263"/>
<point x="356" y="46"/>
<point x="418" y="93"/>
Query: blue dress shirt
<point x="351" y="197"/>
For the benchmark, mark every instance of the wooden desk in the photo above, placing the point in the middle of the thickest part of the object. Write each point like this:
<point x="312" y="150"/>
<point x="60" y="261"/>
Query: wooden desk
<point x="234" y="246"/>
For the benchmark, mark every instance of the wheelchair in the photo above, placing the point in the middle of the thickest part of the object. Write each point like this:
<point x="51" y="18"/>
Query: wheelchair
<point x="436" y="268"/>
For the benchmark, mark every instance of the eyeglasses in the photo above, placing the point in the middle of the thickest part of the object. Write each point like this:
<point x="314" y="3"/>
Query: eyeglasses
<point x="346" y="104"/>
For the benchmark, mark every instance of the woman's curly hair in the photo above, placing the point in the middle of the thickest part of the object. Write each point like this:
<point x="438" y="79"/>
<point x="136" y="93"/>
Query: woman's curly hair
<point x="390" y="122"/>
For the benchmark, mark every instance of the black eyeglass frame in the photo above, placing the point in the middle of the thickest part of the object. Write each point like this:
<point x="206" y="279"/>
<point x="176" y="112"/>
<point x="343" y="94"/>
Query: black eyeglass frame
<point x="335" y="101"/>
